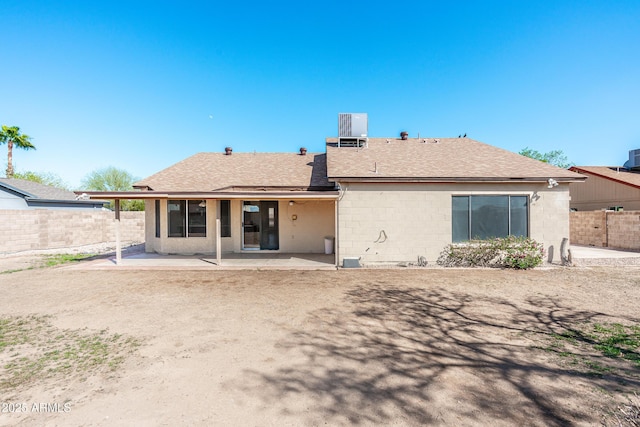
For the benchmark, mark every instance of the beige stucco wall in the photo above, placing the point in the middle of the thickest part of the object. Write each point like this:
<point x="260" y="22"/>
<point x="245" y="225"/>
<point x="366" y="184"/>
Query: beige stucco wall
<point x="598" y="193"/>
<point x="391" y="222"/>
<point x="315" y="219"/>
<point x="180" y="245"/>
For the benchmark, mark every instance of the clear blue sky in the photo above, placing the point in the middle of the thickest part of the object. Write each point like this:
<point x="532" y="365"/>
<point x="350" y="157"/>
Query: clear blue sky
<point x="141" y="85"/>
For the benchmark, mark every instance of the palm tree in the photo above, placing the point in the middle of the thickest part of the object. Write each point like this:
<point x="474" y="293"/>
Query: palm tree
<point x="11" y="136"/>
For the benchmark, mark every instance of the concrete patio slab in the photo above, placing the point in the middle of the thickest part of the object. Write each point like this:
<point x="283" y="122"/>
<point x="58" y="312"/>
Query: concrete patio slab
<point x="592" y="256"/>
<point x="593" y="252"/>
<point x="581" y="255"/>
<point x="273" y="261"/>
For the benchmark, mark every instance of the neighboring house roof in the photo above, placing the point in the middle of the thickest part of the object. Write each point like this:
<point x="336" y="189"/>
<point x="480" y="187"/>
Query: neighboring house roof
<point x="36" y="192"/>
<point x="613" y="173"/>
<point x="242" y="172"/>
<point x="436" y="159"/>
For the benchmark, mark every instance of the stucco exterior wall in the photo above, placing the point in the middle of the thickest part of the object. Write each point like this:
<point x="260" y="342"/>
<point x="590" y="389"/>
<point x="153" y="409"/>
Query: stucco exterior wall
<point x="179" y="245"/>
<point x="40" y="229"/>
<point x="598" y="193"/>
<point x="315" y="220"/>
<point x="10" y="201"/>
<point x="395" y="222"/>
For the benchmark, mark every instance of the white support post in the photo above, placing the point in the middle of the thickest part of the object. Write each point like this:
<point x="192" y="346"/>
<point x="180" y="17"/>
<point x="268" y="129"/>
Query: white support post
<point x="218" y="242"/>
<point x="118" y="243"/>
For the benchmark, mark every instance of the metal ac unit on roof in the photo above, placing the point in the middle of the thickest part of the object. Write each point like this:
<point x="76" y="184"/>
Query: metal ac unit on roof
<point x="634" y="159"/>
<point x="352" y="125"/>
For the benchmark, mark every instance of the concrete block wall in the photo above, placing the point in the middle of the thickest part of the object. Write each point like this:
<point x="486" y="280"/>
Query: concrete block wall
<point x="616" y="230"/>
<point x="623" y="230"/>
<point x="588" y="228"/>
<point x="41" y="229"/>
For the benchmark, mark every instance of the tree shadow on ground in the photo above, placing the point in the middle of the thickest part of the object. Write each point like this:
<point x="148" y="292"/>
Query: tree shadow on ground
<point x="424" y="356"/>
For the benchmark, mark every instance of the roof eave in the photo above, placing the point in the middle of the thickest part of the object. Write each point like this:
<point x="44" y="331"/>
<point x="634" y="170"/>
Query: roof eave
<point x="455" y="179"/>
<point x="580" y="170"/>
<point x="65" y="201"/>
<point x="17" y="191"/>
<point x="332" y="194"/>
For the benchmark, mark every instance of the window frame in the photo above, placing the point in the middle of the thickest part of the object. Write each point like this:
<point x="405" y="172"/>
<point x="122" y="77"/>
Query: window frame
<point x="469" y="212"/>
<point x="184" y="217"/>
<point x="195" y="213"/>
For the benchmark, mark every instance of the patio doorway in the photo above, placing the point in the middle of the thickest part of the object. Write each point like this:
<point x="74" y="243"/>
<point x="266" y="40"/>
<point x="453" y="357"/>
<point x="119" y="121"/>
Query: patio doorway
<point x="260" y="225"/>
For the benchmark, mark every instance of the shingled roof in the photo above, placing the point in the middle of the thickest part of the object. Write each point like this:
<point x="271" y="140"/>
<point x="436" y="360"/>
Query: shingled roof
<point x="613" y="173"/>
<point x="35" y="190"/>
<point x="242" y="171"/>
<point x="436" y="159"/>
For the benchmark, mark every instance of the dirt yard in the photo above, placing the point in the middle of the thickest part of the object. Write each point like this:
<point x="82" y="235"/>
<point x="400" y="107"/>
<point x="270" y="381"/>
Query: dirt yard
<point x="351" y="347"/>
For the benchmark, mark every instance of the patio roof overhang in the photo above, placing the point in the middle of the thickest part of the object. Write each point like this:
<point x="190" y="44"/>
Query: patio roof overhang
<point x="263" y="195"/>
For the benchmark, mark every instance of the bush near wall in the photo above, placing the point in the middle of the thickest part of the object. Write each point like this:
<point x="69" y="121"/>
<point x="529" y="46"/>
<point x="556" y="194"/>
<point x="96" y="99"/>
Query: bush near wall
<point x="507" y="252"/>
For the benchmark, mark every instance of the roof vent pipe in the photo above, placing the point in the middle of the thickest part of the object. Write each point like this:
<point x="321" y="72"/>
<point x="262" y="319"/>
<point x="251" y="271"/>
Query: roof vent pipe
<point x="303" y="151"/>
<point x="404" y="135"/>
<point x="228" y="150"/>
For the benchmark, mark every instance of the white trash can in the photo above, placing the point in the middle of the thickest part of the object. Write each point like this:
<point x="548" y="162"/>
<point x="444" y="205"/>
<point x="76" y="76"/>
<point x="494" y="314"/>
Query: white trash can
<point x="328" y="245"/>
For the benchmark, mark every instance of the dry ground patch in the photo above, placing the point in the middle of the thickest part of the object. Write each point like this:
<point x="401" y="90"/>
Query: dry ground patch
<point x="360" y="347"/>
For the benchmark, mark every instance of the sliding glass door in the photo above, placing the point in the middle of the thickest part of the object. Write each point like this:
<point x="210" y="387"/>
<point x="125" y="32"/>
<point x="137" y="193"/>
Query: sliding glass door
<point x="260" y="225"/>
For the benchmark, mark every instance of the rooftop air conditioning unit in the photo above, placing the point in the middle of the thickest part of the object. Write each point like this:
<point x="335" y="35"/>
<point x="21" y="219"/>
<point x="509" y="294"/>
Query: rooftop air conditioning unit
<point x="352" y="129"/>
<point x="352" y="125"/>
<point x="634" y="159"/>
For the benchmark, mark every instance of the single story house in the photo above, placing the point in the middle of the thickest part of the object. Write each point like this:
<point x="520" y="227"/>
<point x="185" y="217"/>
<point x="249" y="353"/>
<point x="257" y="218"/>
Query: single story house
<point x="382" y="199"/>
<point x="608" y="187"/>
<point x="19" y="194"/>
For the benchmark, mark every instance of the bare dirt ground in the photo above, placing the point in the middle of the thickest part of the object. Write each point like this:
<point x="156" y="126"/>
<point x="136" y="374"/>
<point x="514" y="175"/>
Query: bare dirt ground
<point x="349" y="347"/>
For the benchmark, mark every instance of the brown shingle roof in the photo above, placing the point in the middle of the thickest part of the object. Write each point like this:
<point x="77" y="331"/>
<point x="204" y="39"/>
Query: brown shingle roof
<point x="448" y="158"/>
<point x="217" y="171"/>
<point x="614" y="173"/>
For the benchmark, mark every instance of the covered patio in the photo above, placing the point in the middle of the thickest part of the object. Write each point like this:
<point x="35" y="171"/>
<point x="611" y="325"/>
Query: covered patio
<point x="307" y="220"/>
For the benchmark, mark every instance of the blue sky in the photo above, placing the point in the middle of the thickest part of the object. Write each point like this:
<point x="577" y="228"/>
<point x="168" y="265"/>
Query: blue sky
<point x="141" y="85"/>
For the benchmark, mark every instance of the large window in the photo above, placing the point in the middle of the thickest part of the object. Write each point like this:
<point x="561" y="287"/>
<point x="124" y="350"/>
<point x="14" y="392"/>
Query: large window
<point x="195" y="211"/>
<point x="484" y="217"/>
<point x="225" y="218"/>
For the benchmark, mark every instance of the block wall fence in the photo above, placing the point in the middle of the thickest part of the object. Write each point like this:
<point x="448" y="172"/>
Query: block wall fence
<point x="41" y="229"/>
<point x="606" y="229"/>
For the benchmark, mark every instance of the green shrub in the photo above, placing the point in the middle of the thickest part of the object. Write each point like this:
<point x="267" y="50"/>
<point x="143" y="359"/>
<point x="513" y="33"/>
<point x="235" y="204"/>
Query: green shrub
<point x="505" y="252"/>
